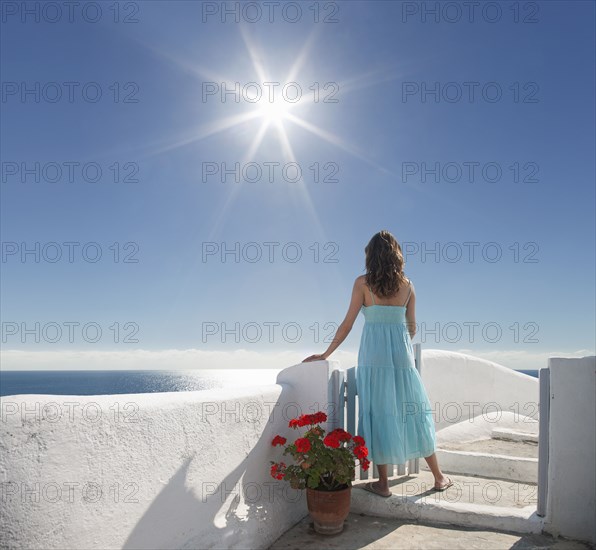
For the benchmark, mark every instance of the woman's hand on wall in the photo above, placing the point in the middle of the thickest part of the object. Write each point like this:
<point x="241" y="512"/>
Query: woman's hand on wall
<point x="320" y="357"/>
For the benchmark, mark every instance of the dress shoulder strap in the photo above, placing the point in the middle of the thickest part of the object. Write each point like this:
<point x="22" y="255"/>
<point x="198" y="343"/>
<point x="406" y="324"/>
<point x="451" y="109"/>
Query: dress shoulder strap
<point x="409" y="293"/>
<point x="371" y="295"/>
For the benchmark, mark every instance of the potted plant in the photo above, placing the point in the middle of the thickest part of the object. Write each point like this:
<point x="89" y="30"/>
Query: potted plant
<point x="324" y="466"/>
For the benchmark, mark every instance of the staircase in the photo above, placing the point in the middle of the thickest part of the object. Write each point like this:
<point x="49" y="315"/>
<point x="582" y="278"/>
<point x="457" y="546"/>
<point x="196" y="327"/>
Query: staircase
<point x="495" y="486"/>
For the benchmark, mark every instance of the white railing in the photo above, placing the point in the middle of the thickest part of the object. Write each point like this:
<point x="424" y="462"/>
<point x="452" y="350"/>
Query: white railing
<point x="343" y="395"/>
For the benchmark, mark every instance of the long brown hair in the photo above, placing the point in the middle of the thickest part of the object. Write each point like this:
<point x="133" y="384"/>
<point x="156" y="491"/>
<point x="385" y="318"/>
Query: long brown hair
<point x="384" y="265"/>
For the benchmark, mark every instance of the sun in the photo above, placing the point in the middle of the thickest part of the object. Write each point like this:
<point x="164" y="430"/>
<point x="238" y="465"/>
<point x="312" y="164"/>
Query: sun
<point x="268" y="105"/>
<point x="273" y="112"/>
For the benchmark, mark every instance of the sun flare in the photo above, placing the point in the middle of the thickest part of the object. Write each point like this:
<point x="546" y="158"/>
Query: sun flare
<point x="274" y="111"/>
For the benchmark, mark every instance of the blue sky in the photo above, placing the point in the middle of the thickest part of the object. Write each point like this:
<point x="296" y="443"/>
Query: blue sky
<point x="156" y="123"/>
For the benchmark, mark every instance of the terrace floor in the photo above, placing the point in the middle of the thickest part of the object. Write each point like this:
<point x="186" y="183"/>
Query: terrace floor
<point x="466" y="489"/>
<point x="370" y="532"/>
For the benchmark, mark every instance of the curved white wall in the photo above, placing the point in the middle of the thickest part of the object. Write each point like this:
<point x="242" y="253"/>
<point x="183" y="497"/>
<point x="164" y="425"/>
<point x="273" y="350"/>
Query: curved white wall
<point x="191" y="469"/>
<point x="461" y="387"/>
<point x="187" y="470"/>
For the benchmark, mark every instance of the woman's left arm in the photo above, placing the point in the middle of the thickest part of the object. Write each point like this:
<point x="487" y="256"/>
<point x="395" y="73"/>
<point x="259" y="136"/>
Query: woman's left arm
<point x="346" y="325"/>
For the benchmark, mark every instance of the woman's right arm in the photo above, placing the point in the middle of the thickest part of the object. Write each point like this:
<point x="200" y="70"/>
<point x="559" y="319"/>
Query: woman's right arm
<point x="411" y="313"/>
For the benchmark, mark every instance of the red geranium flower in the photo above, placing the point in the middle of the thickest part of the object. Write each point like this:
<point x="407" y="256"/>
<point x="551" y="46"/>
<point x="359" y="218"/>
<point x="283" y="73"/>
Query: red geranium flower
<point x="341" y="434"/>
<point x="321" y="459"/>
<point x="302" y="445"/>
<point x="331" y="441"/>
<point x="320" y="417"/>
<point x="361" y="451"/>
<point x="277" y="470"/>
<point x="278" y="440"/>
<point x="308" y="420"/>
<point x="303" y="420"/>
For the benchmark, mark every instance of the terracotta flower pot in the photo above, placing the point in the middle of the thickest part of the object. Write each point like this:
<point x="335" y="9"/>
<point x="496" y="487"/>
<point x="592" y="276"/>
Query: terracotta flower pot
<point x="328" y="509"/>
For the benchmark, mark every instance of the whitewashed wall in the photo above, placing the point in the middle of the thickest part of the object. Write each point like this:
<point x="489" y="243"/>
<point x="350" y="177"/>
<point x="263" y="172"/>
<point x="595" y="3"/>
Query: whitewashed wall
<point x="462" y="387"/>
<point x="571" y="504"/>
<point x="162" y="470"/>
<point x="191" y="469"/>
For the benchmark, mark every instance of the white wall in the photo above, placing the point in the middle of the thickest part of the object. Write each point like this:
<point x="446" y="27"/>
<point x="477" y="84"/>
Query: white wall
<point x="461" y="387"/>
<point x="187" y="470"/>
<point x="571" y="505"/>
<point x="191" y="469"/>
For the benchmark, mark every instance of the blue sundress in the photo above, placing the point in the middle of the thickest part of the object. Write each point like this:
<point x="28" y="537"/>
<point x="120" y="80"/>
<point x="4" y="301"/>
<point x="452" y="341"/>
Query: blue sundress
<point x="394" y="413"/>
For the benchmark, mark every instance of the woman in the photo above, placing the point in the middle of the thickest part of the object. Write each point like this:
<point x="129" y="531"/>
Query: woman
<point x="394" y="413"/>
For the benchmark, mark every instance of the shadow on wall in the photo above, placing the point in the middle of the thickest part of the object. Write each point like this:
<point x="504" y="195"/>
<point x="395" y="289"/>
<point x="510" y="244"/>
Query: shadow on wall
<point x="221" y="514"/>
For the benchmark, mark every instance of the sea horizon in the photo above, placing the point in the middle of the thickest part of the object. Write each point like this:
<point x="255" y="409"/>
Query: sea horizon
<point x="115" y="382"/>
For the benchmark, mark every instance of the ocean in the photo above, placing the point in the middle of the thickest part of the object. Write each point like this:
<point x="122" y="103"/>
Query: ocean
<point x="106" y="382"/>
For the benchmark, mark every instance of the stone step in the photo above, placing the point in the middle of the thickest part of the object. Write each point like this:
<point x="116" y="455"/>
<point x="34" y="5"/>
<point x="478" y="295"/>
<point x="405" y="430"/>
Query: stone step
<point x="492" y="458"/>
<point x="514" y="435"/>
<point x="512" y="448"/>
<point x="473" y="502"/>
<point x="514" y="469"/>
